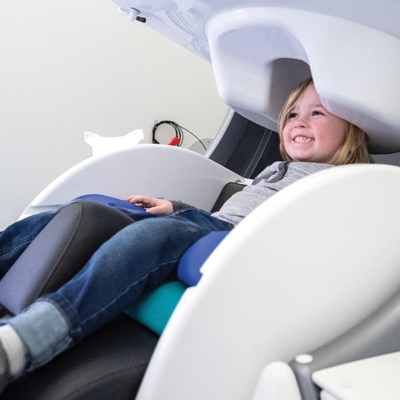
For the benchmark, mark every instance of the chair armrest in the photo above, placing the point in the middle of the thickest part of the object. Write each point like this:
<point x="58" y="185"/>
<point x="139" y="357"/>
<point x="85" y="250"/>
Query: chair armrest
<point x="304" y="267"/>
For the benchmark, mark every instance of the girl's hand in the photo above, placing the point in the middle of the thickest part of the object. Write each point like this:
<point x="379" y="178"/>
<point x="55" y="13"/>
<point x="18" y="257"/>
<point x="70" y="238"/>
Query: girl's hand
<point x="152" y="204"/>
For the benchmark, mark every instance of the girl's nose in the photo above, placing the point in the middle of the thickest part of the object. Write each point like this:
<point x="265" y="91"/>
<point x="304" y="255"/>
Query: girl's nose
<point x="300" y="122"/>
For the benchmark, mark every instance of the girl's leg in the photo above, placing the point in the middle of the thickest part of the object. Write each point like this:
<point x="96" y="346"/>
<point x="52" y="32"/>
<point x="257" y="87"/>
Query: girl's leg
<point x="13" y="241"/>
<point x="137" y="258"/>
<point x="18" y="236"/>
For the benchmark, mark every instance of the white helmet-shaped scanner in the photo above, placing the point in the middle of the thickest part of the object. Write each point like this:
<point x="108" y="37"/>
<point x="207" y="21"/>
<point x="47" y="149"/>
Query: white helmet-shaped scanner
<point x="260" y="52"/>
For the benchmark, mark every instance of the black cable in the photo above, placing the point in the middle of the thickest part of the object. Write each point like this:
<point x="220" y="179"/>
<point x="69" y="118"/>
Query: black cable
<point x="187" y="130"/>
<point x="178" y="129"/>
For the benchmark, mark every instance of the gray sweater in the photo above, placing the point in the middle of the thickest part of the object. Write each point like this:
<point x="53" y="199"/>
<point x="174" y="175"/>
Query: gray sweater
<point x="270" y="181"/>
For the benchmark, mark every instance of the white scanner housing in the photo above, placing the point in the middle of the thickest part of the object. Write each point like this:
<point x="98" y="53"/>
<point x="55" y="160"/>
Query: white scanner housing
<point x="260" y="49"/>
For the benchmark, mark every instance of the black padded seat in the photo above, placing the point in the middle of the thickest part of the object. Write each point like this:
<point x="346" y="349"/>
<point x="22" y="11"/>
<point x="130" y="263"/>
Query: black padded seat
<point x="109" y="364"/>
<point x="60" y="250"/>
<point x="227" y="191"/>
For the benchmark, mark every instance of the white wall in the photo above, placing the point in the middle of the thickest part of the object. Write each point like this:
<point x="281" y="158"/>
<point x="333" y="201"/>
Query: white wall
<point x="70" y="66"/>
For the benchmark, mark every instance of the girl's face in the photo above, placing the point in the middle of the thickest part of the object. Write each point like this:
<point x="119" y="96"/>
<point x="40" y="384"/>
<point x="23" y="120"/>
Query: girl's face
<point x="311" y="132"/>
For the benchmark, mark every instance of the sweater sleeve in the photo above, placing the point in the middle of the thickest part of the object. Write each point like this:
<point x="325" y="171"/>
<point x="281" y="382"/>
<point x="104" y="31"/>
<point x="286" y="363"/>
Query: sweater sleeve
<point x="270" y="181"/>
<point x="179" y="205"/>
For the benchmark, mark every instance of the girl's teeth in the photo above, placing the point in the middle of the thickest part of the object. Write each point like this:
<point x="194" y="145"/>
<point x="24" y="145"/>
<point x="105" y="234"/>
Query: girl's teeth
<point x="302" y="139"/>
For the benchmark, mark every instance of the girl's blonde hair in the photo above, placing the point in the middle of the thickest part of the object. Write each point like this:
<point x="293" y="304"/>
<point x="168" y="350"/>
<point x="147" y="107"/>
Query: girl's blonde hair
<point x="354" y="148"/>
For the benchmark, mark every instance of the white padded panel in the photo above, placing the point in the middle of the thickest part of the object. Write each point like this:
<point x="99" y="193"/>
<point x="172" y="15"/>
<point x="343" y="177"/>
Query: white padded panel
<point x="153" y="170"/>
<point x="305" y="266"/>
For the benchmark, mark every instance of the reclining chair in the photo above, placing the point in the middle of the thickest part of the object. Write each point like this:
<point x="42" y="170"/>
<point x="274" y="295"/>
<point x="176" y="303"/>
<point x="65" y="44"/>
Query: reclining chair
<point x="310" y="279"/>
<point x="316" y="260"/>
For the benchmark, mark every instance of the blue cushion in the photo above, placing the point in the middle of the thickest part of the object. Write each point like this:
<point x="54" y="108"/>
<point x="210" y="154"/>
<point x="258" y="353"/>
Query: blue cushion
<point x="110" y="201"/>
<point x="196" y="255"/>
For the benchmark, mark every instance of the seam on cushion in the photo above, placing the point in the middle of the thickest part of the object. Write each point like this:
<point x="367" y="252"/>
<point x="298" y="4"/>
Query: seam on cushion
<point x="83" y="212"/>
<point x="67" y="247"/>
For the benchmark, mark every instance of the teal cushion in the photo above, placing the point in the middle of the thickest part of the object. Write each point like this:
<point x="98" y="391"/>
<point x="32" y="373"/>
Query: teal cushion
<point x="154" y="308"/>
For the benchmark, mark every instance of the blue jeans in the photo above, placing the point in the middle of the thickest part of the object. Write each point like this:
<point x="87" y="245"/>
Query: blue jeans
<point x="17" y="237"/>
<point x="137" y="258"/>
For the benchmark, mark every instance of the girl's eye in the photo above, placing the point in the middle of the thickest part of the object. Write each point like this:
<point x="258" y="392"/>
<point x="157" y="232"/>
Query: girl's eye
<point x="316" y="112"/>
<point x="291" y="115"/>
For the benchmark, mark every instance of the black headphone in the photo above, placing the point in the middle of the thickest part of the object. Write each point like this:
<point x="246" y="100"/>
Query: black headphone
<point x="177" y="129"/>
<point x="178" y="133"/>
